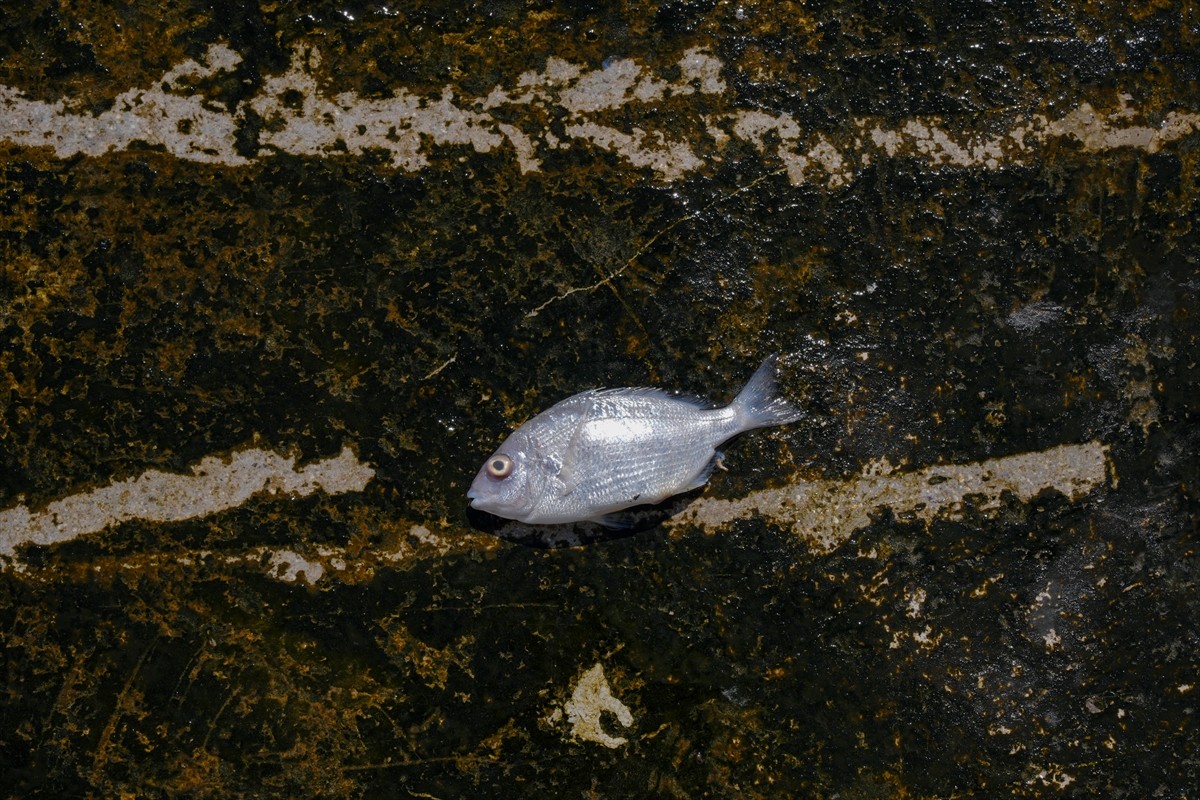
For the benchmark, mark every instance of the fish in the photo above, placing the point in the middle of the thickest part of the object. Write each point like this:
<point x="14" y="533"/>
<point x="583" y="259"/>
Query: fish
<point x="597" y="453"/>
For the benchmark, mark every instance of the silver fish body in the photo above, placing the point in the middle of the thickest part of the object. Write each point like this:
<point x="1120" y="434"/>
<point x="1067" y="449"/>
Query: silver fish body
<point x="602" y="451"/>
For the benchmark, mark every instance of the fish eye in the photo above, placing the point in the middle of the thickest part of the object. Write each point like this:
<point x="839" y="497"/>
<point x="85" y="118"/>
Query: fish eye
<point x="499" y="466"/>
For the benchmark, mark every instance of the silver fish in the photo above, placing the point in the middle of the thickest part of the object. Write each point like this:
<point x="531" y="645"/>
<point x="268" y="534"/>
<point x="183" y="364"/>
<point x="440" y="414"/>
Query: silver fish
<point x="605" y="450"/>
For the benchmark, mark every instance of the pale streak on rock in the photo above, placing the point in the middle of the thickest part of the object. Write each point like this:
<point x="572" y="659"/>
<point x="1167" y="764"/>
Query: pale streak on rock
<point x="600" y="90"/>
<point x="827" y="513"/>
<point x="405" y="126"/>
<point x="215" y="484"/>
<point x="590" y="699"/>
<point x="399" y="125"/>
<point x="1097" y="132"/>
<point x="288" y="566"/>
<point x="927" y="139"/>
<point x="408" y="127"/>
<point x="617" y="84"/>
<point x="756" y="126"/>
<point x="671" y="160"/>
<point x="155" y="115"/>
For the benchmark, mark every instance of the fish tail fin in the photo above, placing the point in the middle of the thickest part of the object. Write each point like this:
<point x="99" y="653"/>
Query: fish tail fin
<point x="759" y="403"/>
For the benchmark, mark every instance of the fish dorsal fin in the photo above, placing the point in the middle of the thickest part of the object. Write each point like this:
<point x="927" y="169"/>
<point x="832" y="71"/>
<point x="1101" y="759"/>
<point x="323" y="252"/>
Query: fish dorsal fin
<point x="606" y="397"/>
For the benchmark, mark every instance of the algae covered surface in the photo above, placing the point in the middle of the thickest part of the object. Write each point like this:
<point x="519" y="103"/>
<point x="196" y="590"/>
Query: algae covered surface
<point x="274" y="281"/>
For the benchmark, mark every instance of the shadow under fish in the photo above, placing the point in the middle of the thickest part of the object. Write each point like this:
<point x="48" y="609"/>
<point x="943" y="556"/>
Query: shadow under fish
<point x="619" y="525"/>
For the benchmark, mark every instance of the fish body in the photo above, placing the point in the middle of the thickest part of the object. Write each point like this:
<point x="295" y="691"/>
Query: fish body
<point x="601" y="451"/>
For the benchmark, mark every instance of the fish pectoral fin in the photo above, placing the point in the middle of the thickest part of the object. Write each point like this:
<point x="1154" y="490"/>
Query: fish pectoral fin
<point x="563" y="473"/>
<point x="560" y="476"/>
<point x="565" y="479"/>
<point x="560" y="487"/>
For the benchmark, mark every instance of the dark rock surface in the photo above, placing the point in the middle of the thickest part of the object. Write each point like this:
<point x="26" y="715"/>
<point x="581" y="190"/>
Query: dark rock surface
<point x="239" y="229"/>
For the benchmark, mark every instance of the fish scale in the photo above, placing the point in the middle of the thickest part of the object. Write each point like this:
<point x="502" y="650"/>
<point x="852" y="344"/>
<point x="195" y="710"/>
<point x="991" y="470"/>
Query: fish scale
<point x="647" y="475"/>
<point x="601" y="451"/>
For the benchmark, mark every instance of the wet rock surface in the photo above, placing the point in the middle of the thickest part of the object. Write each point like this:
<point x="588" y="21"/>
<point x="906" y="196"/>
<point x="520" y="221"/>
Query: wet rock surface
<point x="273" y="284"/>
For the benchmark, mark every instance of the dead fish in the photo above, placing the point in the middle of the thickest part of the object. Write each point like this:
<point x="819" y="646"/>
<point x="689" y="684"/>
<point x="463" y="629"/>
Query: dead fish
<point x="604" y="450"/>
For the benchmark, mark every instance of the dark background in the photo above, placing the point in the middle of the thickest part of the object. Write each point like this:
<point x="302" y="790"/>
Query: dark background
<point x="154" y="310"/>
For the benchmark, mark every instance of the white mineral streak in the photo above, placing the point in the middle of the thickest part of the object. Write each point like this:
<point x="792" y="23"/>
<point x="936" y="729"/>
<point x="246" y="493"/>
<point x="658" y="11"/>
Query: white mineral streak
<point x="669" y="160"/>
<point x="184" y="123"/>
<point x="289" y="566"/>
<point x="215" y="484"/>
<point x="1096" y="131"/>
<point x="827" y="513"/>
<point x="301" y="117"/>
<point x="591" y="698"/>
<point x="346" y="122"/>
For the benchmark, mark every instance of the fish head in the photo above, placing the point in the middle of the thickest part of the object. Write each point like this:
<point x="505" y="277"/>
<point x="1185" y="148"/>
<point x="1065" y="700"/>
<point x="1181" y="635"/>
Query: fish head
<point x="507" y="483"/>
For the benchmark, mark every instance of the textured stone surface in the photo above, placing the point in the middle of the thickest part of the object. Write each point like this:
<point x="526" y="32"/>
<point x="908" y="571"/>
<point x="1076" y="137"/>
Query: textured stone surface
<point x="357" y="244"/>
